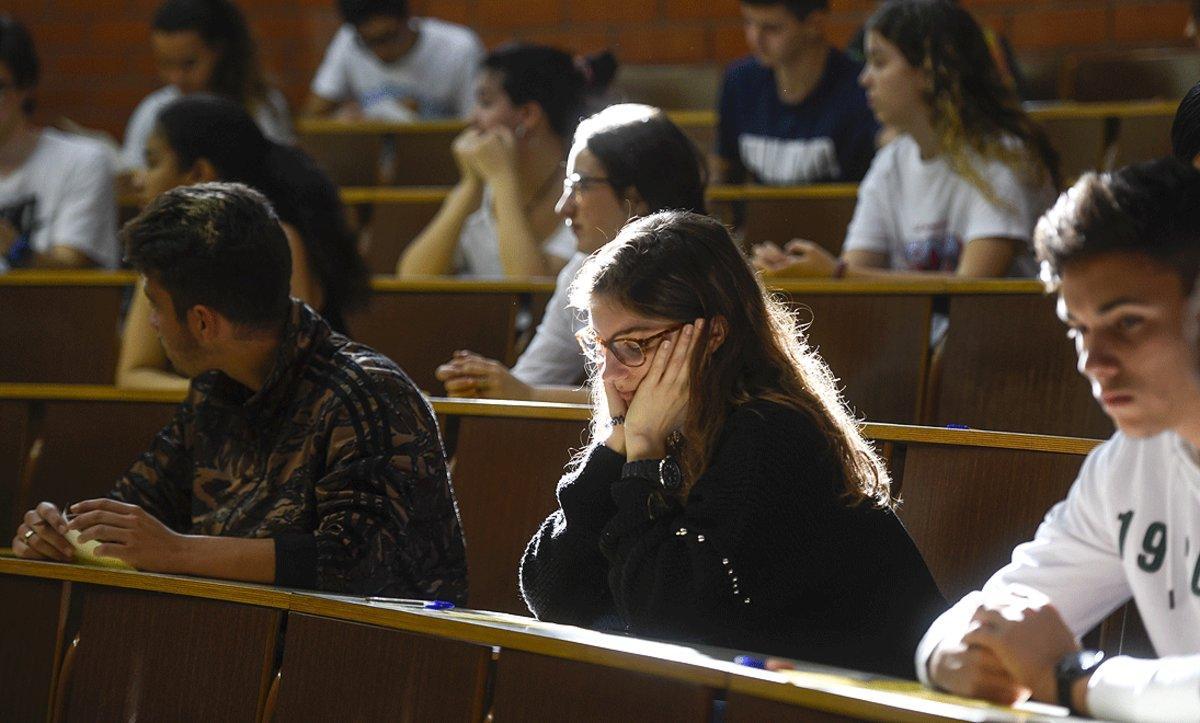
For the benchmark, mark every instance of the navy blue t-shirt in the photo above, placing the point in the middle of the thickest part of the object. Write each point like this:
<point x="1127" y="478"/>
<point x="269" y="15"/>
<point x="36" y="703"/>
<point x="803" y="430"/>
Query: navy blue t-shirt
<point x="827" y="137"/>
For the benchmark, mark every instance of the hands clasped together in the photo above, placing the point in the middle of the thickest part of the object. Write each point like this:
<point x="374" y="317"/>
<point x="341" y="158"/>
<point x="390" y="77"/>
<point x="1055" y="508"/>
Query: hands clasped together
<point x="468" y="374"/>
<point x="1007" y="652"/>
<point x="488" y="156"/>
<point x="658" y="404"/>
<point x="126" y="532"/>
<point x="796" y="258"/>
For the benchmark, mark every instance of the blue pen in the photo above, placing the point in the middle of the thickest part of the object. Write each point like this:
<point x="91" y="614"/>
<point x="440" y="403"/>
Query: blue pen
<point x="423" y="604"/>
<point x="751" y="662"/>
<point x="957" y="426"/>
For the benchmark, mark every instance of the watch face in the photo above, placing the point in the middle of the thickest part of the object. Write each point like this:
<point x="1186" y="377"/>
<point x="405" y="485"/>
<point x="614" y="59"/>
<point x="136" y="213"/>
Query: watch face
<point x="671" y="475"/>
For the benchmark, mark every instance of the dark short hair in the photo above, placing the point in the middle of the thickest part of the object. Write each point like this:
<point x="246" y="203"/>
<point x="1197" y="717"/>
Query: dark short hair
<point x="640" y="147"/>
<point x="799" y="8"/>
<point x="1185" y="130"/>
<point x="1151" y="208"/>
<point x="543" y="75"/>
<point x="210" y="127"/>
<point x="18" y="53"/>
<point x="217" y="245"/>
<point x="357" y="12"/>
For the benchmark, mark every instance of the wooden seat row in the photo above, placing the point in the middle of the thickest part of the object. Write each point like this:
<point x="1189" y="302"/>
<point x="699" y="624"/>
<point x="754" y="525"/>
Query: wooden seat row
<point x="367" y="153"/>
<point x="968" y="497"/>
<point x="389" y="218"/>
<point x="113" y="645"/>
<point x="1005" y="362"/>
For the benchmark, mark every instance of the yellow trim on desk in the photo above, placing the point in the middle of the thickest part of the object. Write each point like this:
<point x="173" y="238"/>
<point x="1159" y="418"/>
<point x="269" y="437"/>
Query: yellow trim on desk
<point x="80" y="277"/>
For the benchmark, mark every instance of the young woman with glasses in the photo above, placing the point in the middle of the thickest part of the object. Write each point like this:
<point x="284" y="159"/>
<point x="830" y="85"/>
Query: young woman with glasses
<point x="627" y="160"/>
<point x="499" y="220"/>
<point x="727" y="497"/>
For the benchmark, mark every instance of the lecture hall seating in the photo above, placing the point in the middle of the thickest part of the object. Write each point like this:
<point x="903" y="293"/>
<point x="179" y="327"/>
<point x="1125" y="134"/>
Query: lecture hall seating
<point x="225" y="660"/>
<point x="1086" y="130"/>
<point x="873" y="334"/>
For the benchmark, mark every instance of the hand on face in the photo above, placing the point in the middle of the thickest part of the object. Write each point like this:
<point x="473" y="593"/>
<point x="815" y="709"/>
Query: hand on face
<point x="128" y="533"/>
<point x="490" y="154"/>
<point x="659" y="404"/>
<point x="797" y="258"/>
<point x="470" y="375"/>
<point x="48" y="539"/>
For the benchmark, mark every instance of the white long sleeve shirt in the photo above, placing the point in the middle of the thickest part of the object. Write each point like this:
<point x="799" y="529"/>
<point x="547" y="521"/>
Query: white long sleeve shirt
<point x="1130" y="527"/>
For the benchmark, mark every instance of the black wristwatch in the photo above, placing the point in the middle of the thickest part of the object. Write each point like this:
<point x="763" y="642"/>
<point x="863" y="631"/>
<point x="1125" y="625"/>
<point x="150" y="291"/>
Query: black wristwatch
<point x="1072" y="667"/>
<point x="664" y="472"/>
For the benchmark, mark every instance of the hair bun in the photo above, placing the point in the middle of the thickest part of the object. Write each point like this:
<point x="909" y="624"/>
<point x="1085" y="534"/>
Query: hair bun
<point x="598" y="70"/>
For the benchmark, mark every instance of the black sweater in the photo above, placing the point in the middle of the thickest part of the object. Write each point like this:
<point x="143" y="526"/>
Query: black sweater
<point x="763" y="556"/>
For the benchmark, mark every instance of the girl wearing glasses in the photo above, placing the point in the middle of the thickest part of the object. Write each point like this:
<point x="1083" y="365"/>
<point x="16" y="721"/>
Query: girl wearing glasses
<point x="206" y="46"/>
<point x="727" y="497"/>
<point x="499" y="220"/>
<point x="627" y="160"/>
<point x="960" y="189"/>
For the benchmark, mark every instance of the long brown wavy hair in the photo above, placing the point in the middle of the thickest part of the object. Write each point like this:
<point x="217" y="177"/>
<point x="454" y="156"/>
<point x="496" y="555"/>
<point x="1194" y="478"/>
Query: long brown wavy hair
<point x="975" y="113"/>
<point x="679" y="266"/>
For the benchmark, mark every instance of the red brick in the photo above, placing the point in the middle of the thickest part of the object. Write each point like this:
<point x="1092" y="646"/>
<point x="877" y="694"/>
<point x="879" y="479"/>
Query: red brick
<point x="455" y="11"/>
<point x="1160" y="22"/>
<point x="1060" y="28"/>
<point x="729" y="42"/>
<point x="674" y="44"/>
<point x="574" y="42"/>
<point x="527" y="14"/>
<point x="612" y="11"/>
<point x="702" y="9"/>
<point x="122" y="34"/>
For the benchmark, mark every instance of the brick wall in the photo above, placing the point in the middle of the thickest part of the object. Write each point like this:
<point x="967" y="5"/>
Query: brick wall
<point x="97" y="62"/>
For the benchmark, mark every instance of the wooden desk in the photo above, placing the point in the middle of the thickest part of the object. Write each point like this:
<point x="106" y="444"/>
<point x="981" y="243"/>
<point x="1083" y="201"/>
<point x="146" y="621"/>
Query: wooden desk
<point x="577" y="671"/>
<point x="48" y="335"/>
<point x="1086" y="134"/>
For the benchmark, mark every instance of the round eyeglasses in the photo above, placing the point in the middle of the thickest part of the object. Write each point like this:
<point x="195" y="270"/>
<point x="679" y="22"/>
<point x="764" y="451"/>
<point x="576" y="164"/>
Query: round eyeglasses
<point x="628" y="350"/>
<point x="575" y="183"/>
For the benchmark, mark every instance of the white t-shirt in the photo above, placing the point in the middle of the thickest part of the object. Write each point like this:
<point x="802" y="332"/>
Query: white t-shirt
<point x="921" y="214"/>
<point x="436" y="76"/>
<point x="272" y="117"/>
<point x="553" y="355"/>
<point x="478" y="252"/>
<point x="63" y="196"/>
<point x="1129" y="527"/>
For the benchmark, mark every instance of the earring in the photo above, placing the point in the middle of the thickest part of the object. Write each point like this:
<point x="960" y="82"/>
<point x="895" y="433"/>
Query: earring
<point x="520" y="131"/>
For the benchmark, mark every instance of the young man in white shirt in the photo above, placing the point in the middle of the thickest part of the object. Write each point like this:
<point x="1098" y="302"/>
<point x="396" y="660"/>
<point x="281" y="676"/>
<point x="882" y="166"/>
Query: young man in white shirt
<point x="386" y="65"/>
<point x="57" y="204"/>
<point x="1123" y="251"/>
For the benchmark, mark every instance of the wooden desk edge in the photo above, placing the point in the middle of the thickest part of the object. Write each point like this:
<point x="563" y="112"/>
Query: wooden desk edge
<point x="881" y="705"/>
<point x="706" y="118"/>
<point x="209" y="589"/>
<point x="384" y="283"/>
<point x="910" y="434"/>
<point x="868" y="703"/>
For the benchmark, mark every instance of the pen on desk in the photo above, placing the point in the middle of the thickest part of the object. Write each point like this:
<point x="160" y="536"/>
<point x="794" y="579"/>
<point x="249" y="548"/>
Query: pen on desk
<point x="751" y="662"/>
<point x="405" y="602"/>
<point x="957" y="426"/>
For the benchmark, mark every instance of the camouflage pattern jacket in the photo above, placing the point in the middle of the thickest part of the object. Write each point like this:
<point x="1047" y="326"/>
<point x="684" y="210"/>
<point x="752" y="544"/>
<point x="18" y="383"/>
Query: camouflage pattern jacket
<point x="337" y="458"/>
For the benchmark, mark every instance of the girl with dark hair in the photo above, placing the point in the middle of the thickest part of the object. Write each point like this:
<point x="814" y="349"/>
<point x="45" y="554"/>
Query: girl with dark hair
<point x="1185" y="129"/>
<point x="961" y="187"/>
<point x="205" y="46"/>
<point x="202" y="138"/>
<point x="627" y="160"/>
<point x="500" y="219"/>
<point x="727" y="497"/>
